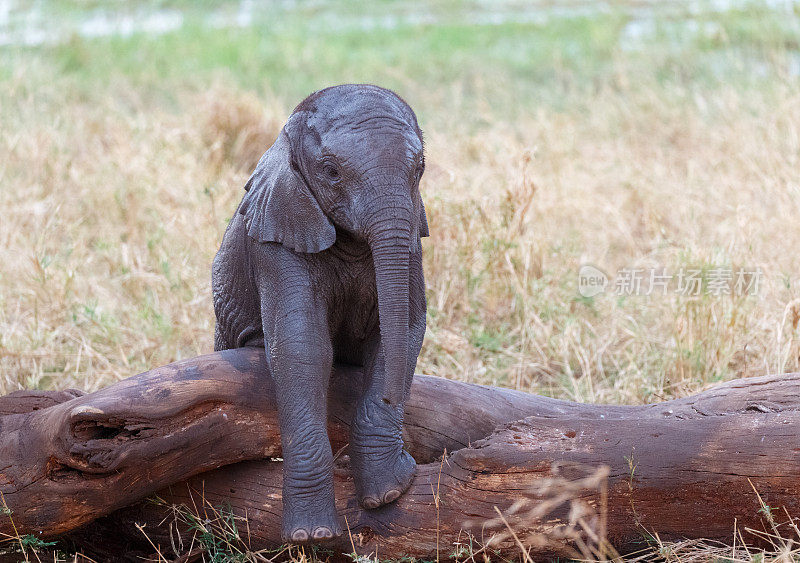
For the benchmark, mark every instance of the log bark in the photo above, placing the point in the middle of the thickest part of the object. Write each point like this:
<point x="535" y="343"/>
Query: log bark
<point x="682" y="468"/>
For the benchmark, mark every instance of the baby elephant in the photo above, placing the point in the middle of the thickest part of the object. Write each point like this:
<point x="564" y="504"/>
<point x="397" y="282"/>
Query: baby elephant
<point x="323" y="264"/>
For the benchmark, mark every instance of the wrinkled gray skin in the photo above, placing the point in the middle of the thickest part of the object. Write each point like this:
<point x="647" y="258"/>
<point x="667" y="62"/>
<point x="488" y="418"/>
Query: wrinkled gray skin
<point x="322" y="263"/>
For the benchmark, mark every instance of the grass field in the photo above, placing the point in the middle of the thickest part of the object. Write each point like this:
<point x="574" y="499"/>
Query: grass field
<point x="635" y="136"/>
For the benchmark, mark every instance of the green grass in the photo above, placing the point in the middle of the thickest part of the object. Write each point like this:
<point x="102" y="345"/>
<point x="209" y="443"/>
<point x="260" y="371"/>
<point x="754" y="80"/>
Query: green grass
<point x="290" y="62"/>
<point x="510" y="67"/>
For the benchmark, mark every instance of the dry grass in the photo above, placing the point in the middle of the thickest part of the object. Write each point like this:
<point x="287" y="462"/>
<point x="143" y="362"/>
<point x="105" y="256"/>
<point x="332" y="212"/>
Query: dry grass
<point x="114" y="202"/>
<point x="105" y="243"/>
<point x="637" y="183"/>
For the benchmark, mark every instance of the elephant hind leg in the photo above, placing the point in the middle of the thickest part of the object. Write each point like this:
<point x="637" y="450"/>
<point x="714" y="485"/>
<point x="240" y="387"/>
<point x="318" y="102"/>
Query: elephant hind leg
<point x="238" y="331"/>
<point x="237" y="305"/>
<point x="219" y="339"/>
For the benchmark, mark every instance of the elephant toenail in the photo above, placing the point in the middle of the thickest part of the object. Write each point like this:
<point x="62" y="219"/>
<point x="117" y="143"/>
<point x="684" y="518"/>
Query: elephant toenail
<point x="370" y="502"/>
<point x="299" y="535"/>
<point x="391" y="495"/>
<point x="322" y="533"/>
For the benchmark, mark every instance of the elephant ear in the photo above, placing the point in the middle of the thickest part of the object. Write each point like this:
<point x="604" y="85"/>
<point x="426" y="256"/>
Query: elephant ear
<point x="421" y="230"/>
<point x="423" y="221"/>
<point x="279" y="206"/>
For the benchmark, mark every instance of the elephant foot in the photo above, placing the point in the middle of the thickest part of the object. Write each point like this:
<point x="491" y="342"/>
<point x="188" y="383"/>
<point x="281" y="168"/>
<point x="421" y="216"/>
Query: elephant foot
<point x="382" y="469"/>
<point x="382" y="482"/>
<point x="309" y="528"/>
<point x="309" y="514"/>
<point x="301" y="536"/>
<point x="381" y="477"/>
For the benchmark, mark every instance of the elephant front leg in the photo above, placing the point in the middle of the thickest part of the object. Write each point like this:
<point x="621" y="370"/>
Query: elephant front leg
<point x="301" y="359"/>
<point x="383" y="470"/>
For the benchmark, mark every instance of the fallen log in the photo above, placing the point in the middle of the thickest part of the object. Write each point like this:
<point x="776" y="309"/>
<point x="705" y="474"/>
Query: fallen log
<point x="682" y="468"/>
<point x="151" y="430"/>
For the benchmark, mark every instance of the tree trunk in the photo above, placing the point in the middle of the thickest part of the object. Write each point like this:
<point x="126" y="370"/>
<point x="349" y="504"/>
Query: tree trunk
<point x="686" y="468"/>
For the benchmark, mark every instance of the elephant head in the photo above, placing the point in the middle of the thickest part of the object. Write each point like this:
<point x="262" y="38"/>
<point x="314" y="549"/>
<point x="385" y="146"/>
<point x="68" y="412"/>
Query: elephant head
<point x="349" y="160"/>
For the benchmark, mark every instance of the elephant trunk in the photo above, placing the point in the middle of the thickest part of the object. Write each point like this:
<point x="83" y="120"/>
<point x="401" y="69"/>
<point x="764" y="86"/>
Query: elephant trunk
<point x="389" y="239"/>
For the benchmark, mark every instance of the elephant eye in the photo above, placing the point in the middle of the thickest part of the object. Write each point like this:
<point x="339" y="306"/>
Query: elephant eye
<point x="331" y="172"/>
